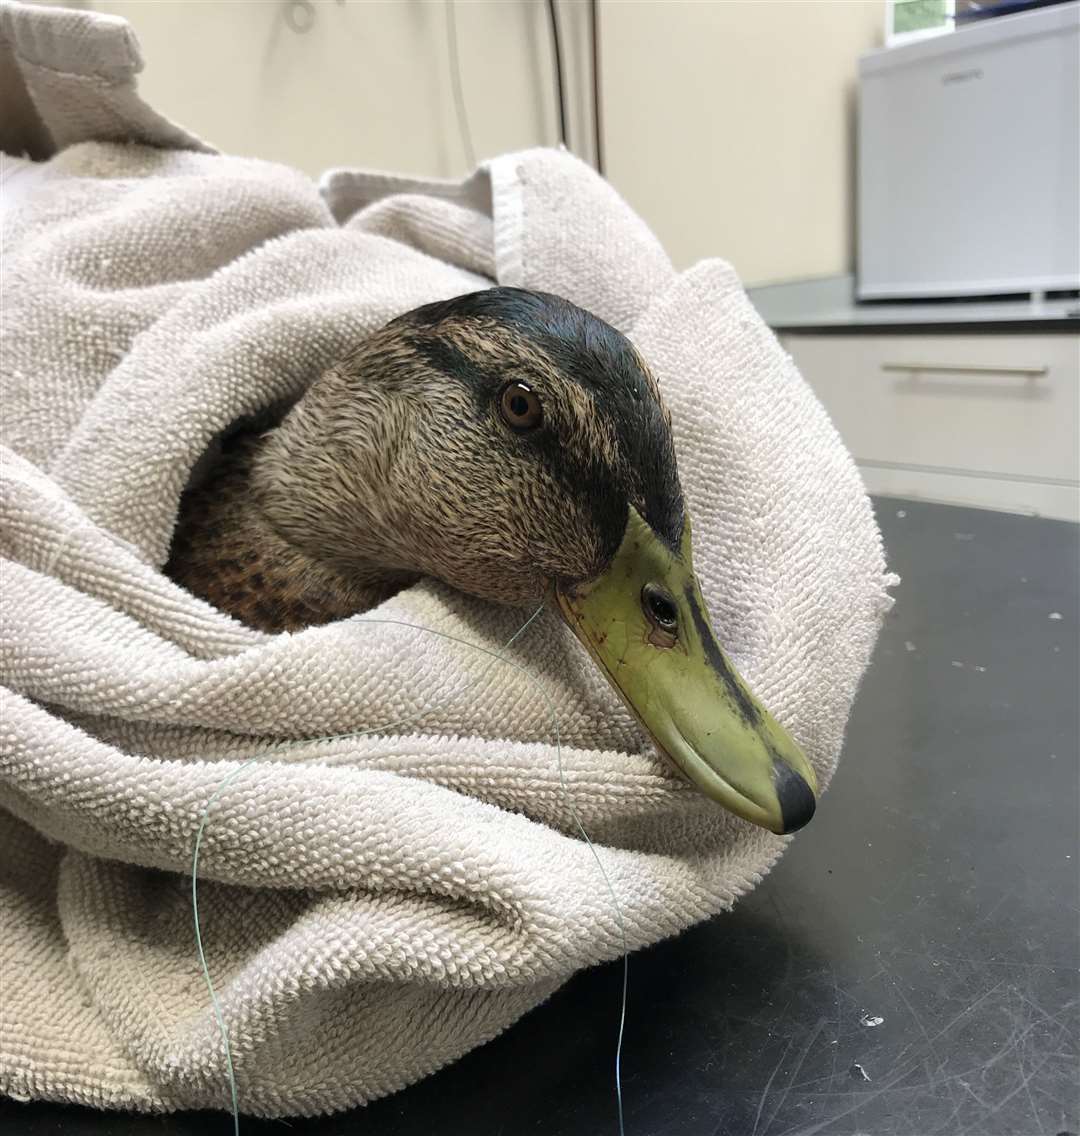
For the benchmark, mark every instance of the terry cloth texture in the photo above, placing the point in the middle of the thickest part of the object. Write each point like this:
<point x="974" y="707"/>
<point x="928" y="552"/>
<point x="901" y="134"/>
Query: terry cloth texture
<point x="375" y="907"/>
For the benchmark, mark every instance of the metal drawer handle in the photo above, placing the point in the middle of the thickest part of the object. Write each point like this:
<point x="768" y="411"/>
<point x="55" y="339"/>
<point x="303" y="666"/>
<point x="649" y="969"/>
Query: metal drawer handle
<point x="966" y="369"/>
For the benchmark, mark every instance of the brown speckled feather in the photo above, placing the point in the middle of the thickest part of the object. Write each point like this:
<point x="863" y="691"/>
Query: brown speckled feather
<point x="225" y="551"/>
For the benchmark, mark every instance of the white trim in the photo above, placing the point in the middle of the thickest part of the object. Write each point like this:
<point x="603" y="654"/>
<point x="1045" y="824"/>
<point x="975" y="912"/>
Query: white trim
<point x="1001" y="286"/>
<point x="1002" y="494"/>
<point x="508" y="216"/>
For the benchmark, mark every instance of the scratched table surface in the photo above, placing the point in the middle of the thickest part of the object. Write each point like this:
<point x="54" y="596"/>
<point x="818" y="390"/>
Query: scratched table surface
<point x="911" y="966"/>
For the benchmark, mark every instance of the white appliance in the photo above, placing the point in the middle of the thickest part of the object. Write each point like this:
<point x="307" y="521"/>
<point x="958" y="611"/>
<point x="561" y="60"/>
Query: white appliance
<point x="969" y="160"/>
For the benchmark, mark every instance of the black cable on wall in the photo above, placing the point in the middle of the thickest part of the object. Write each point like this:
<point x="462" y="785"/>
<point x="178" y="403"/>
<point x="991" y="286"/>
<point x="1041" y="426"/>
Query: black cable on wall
<point x="556" y="50"/>
<point x="560" y="85"/>
<point x="598" y="129"/>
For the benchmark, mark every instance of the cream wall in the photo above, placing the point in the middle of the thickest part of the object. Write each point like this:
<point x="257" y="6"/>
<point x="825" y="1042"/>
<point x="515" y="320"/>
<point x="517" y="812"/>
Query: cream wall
<point x="730" y="127"/>
<point x="727" y="124"/>
<point x="368" y="83"/>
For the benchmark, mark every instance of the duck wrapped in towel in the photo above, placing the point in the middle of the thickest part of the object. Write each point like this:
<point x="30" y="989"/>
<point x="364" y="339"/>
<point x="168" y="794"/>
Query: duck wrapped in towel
<point x="454" y="505"/>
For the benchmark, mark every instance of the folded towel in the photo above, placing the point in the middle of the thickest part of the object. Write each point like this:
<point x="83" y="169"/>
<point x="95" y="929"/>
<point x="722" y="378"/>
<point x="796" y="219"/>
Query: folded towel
<point x="372" y="907"/>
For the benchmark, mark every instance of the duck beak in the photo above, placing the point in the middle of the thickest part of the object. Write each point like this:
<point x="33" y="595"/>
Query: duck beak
<point x="644" y="623"/>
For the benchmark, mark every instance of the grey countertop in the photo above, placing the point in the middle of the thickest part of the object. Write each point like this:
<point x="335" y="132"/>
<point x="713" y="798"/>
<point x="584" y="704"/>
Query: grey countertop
<point x="828" y="303"/>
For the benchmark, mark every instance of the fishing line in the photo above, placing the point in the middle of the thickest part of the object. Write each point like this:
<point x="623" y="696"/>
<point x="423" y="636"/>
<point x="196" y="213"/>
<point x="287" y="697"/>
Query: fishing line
<point x="240" y="770"/>
<point x="243" y="768"/>
<point x="597" y="105"/>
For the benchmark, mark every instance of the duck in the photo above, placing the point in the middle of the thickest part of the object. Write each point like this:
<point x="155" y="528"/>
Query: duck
<point x="516" y="447"/>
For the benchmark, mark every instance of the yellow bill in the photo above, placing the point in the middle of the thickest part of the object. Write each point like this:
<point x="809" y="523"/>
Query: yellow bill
<point x="645" y="624"/>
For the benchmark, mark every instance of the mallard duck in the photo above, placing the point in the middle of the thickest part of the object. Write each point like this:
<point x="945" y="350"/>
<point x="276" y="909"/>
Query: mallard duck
<point x="516" y="447"/>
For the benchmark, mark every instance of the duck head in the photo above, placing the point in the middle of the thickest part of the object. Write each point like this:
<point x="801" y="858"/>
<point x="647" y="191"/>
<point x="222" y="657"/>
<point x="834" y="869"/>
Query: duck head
<point x="516" y="447"/>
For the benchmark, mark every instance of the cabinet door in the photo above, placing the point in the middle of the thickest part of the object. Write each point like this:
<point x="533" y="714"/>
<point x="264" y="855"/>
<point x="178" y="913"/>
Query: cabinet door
<point x="959" y="410"/>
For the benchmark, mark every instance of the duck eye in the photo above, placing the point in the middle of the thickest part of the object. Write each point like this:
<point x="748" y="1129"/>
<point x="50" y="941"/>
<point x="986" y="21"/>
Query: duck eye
<point x="660" y="608"/>
<point x="520" y="408"/>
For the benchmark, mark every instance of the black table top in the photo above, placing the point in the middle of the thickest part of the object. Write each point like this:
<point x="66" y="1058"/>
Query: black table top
<point x="912" y="966"/>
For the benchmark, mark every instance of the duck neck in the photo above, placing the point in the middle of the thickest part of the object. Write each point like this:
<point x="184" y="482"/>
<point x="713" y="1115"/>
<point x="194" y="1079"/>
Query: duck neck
<point x="228" y="550"/>
<point x="330" y="483"/>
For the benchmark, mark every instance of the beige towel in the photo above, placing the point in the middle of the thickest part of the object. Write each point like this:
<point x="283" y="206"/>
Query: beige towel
<point x="372" y="908"/>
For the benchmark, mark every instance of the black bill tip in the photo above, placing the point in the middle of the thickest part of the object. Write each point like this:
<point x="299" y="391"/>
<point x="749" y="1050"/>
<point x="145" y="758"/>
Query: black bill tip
<point x="797" y="801"/>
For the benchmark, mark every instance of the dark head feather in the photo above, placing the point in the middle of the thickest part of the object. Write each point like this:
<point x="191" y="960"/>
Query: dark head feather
<point x="603" y="362"/>
<point x="398" y="456"/>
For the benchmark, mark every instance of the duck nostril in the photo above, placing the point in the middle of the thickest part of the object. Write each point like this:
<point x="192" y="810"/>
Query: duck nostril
<point x="660" y="607"/>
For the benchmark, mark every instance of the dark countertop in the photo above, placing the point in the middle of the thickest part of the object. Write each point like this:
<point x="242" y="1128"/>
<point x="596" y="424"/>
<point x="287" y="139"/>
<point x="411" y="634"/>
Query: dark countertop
<point x="827" y="305"/>
<point x="936" y="890"/>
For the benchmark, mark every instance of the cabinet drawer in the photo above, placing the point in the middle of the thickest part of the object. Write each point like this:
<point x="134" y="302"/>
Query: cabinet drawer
<point x="997" y="406"/>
